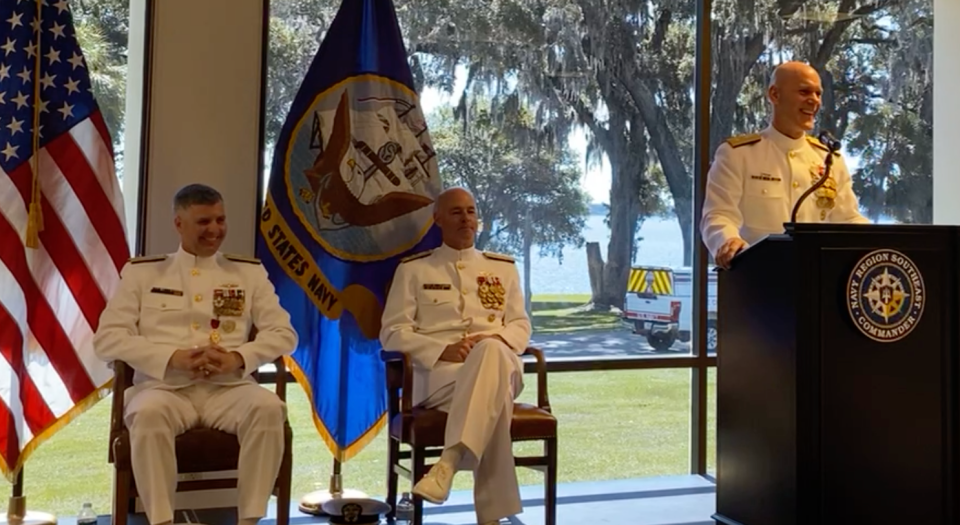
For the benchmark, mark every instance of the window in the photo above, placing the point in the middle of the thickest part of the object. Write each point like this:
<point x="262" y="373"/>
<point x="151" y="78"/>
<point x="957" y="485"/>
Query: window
<point x="574" y="125"/>
<point x="103" y="31"/>
<point x="552" y="134"/>
<point x="875" y="61"/>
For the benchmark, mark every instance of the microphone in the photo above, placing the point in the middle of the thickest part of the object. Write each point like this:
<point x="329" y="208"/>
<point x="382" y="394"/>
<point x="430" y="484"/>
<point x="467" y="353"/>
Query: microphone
<point x="833" y="145"/>
<point x="827" y="139"/>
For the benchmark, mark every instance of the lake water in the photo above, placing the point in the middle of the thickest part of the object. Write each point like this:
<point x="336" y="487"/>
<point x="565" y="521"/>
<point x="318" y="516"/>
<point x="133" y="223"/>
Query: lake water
<point x="662" y="245"/>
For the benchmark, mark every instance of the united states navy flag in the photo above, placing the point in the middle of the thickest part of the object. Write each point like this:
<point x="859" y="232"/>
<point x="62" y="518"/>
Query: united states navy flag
<point x="351" y="192"/>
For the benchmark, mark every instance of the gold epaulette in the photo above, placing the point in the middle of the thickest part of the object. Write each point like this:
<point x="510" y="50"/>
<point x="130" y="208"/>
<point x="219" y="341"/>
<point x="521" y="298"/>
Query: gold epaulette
<point x="815" y="142"/>
<point x="743" y="140"/>
<point x="499" y="257"/>
<point x="414" y="257"/>
<point x="146" y="258"/>
<point x="241" y="258"/>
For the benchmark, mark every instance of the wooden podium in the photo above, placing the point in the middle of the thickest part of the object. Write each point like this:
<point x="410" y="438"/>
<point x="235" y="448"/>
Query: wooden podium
<point x="837" y="386"/>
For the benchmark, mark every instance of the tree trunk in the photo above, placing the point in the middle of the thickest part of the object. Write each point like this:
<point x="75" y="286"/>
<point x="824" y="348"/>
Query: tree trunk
<point x="483" y="238"/>
<point x="527" y="250"/>
<point x="624" y="213"/>
<point x="595" y="270"/>
<point x="679" y="181"/>
<point x="736" y="57"/>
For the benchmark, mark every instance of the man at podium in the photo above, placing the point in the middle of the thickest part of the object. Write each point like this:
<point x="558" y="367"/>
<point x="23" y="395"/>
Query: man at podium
<point x="755" y="180"/>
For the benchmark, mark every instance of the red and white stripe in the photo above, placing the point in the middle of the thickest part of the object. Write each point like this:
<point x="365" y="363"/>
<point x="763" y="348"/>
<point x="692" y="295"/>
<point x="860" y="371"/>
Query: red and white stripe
<point x="51" y="297"/>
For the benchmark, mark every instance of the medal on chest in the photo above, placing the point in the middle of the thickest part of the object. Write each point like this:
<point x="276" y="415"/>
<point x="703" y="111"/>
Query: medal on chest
<point x="827" y="193"/>
<point x="227" y="302"/>
<point x="491" y="291"/>
<point x="214" y="331"/>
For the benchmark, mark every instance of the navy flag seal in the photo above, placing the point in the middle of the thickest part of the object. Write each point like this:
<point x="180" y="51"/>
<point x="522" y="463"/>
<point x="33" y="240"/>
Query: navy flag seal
<point x="885" y="295"/>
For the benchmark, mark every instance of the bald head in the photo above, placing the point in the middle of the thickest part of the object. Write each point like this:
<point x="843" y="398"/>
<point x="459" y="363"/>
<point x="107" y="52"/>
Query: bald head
<point x="455" y="212"/>
<point x="451" y="195"/>
<point x="791" y="72"/>
<point x="794" y="92"/>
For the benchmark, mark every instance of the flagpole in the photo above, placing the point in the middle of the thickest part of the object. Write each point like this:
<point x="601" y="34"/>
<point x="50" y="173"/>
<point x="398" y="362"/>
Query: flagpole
<point x="17" y="513"/>
<point x="312" y="503"/>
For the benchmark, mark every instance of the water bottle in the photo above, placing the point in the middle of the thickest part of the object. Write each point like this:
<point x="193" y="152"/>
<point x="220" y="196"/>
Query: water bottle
<point x="87" y="516"/>
<point x="405" y="510"/>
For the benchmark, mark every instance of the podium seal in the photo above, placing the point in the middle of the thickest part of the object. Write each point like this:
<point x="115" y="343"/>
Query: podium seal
<point x="885" y="295"/>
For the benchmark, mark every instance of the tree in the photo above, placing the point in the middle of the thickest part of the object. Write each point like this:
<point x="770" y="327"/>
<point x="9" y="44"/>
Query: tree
<point x="624" y="70"/>
<point x="296" y="30"/>
<point x="108" y="76"/>
<point x="528" y="192"/>
<point x="894" y="135"/>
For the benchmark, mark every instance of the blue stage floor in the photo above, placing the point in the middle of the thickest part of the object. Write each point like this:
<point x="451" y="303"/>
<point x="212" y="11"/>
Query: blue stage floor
<point x="675" y="500"/>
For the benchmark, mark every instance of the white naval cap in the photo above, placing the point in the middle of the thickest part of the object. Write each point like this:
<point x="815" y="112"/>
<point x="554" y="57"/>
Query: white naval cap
<point x="355" y="511"/>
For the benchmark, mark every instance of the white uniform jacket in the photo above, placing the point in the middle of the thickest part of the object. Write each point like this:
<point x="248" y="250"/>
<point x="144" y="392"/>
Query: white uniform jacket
<point x="167" y="302"/>
<point x="441" y="296"/>
<point x="755" y="181"/>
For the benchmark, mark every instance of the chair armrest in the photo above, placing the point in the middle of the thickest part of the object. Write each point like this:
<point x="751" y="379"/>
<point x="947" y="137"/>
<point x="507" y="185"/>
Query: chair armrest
<point x="543" y="397"/>
<point x="399" y="374"/>
<point x="281" y="382"/>
<point x="121" y="381"/>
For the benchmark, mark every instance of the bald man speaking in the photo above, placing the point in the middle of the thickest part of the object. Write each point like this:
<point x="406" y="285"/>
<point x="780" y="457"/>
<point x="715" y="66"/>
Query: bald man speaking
<point x="755" y="180"/>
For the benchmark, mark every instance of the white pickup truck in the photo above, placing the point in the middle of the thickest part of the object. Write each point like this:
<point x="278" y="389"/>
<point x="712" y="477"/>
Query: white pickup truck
<point x="659" y="304"/>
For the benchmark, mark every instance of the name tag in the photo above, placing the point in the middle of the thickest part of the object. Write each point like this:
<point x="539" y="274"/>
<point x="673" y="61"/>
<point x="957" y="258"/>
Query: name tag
<point x="166" y="291"/>
<point x="766" y="177"/>
<point x="436" y="287"/>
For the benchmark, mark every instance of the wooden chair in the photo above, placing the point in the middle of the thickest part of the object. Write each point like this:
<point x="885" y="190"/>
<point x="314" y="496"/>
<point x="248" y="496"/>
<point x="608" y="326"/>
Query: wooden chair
<point x="198" y="450"/>
<point x="422" y="430"/>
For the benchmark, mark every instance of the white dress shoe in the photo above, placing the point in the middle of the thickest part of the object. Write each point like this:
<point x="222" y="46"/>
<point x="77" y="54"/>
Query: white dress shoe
<point x="435" y="486"/>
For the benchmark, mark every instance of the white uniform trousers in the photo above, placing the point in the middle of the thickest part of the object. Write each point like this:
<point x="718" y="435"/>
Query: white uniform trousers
<point x="479" y="408"/>
<point x="155" y="417"/>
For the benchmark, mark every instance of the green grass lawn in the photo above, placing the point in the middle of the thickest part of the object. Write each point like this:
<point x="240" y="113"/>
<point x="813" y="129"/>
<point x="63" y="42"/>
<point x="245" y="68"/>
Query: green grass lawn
<point x="569" y="313"/>
<point x="579" y="298"/>
<point x="618" y="424"/>
<point x="573" y="320"/>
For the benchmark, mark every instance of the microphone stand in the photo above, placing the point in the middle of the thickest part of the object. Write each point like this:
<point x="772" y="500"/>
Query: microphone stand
<point x="832" y="147"/>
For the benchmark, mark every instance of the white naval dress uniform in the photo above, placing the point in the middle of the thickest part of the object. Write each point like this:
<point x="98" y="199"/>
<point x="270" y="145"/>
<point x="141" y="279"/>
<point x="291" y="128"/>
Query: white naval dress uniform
<point x="436" y="299"/>
<point x="755" y="181"/>
<point x="166" y="303"/>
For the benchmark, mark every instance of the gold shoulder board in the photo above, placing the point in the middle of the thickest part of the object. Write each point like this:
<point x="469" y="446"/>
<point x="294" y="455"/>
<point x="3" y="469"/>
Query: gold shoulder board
<point x="815" y="142"/>
<point x="499" y="257"/>
<point x="743" y="140"/>
<point x="147" y="258"/>
<point x="241" y="258"/>
<point x="416" y="256"/>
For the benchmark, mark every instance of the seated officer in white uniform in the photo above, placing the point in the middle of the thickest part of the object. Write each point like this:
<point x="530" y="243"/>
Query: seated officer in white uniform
<point x="182" y="322"/>
<point x="755" y="180"/>
<point x="459" y="313"/>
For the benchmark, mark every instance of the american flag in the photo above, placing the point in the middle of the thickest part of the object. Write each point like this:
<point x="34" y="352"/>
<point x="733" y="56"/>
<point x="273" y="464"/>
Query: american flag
<point x="51" y="295"/>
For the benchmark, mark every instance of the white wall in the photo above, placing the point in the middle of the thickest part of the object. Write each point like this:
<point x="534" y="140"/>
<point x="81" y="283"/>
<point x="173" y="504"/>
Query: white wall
<point x="133" y="117"/>
<point x="204" y="115"/>
<point x="946" y="107"/>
